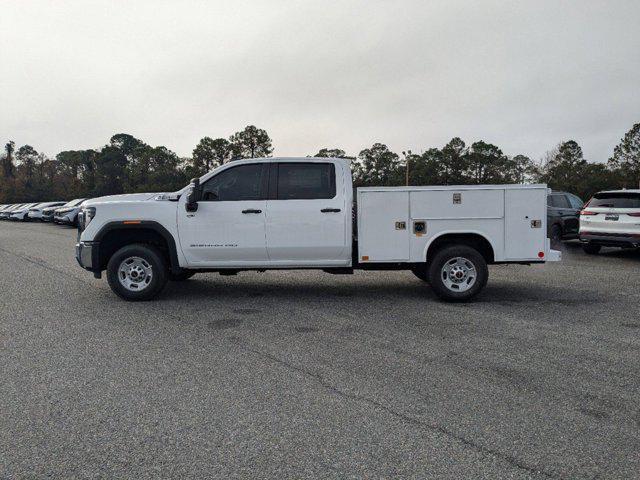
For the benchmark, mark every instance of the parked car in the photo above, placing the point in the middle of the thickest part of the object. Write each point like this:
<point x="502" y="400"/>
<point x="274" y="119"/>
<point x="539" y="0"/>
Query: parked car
<point x="48" y="213"/>
<point x="20" y="214"/>
<point x="563" y="216"/>
<point x="611" y="219"/>
<point x="280" y="213"/>
<point x="35" y="213"/>
<point x="4" y="214"/>
<point x="68" y="215"/>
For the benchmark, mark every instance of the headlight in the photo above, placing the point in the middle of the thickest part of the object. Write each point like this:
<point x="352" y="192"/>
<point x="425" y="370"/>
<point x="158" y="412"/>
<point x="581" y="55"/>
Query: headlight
<point x="85" y="216"/>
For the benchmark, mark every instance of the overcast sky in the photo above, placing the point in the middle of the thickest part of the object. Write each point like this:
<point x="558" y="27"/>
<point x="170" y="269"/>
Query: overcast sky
<point x="411" y="74"/>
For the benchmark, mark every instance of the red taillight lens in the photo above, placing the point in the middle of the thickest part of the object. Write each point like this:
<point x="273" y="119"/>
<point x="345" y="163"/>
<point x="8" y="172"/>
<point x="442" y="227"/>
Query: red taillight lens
<point x="588" y="212"/>
<point x="635" y="214"/>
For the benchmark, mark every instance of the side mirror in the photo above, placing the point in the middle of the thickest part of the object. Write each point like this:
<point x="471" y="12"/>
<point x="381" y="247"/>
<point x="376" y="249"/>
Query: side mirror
<point x="194" y="196"/>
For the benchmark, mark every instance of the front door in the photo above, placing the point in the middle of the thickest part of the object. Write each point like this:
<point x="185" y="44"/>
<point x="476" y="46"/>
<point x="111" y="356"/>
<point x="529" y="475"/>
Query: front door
<point x="307" y="217"/>
<point x="228" y="229"/>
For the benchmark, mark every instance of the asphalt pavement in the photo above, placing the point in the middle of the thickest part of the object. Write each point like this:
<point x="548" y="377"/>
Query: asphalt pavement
<point x="295" y="374"/>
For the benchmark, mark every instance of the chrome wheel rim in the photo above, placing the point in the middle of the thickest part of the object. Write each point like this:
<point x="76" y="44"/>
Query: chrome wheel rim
<point x="135" y="274"/>
<point x="459" y="274"/>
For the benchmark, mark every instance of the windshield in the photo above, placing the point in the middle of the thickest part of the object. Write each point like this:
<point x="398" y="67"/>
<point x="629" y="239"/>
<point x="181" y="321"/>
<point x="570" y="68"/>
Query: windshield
<point x="73" y="203"/>
<point x="615" y="200"/>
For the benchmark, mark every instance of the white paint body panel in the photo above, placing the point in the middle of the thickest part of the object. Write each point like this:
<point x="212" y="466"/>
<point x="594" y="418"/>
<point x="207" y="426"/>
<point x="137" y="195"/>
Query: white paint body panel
<point x="502" y="214"/>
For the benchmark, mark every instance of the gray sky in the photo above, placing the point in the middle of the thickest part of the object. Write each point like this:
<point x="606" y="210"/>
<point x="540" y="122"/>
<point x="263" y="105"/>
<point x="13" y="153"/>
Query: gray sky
<point x="411" y="74"/>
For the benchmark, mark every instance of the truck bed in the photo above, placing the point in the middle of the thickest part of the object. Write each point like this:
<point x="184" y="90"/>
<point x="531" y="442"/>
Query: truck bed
<point x="398" y="224"/>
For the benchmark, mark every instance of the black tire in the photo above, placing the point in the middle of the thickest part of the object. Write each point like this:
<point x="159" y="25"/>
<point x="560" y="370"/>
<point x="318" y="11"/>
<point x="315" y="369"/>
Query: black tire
<point x="556" y="235"/>
<point x="181" y="277"/>
<point x="591" y="249"/>
<point x="420" y="271"/>
<point x="152" y="257"/>
<point x="447" y="255"/>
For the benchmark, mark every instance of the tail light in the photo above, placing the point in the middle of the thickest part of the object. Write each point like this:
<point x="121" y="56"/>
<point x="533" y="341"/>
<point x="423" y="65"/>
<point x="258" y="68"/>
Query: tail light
<point x="588" y="212"/>
<point x="634" y="214"/>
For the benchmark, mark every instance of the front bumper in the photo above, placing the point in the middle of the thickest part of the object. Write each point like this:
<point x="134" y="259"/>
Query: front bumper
<point x="87" y="255"/>
<point x="63" y="219"/>
<point x="606" y="239"/>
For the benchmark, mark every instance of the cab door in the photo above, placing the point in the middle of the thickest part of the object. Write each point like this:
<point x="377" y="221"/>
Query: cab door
<point x="306" y="222"/>
<point x="228" y="229"/>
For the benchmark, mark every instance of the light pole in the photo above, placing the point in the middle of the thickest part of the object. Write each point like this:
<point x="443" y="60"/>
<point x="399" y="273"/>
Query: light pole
<point x="407" y="155"/>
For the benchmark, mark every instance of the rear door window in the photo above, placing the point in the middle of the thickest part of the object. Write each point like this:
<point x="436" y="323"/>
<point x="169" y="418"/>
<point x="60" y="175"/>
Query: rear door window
<point x="615" y="200"/>
<point x="575" y="202"/>
<point x="559" y="201"/>
<point x="306" y="181"/>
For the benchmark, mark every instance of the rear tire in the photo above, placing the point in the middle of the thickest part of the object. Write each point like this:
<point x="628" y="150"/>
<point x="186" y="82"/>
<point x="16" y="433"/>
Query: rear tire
<point x="137" y="272"/>
<point x="556" y="235"/>
<point x="458" y="273"/>
<point x="591" y="249"/>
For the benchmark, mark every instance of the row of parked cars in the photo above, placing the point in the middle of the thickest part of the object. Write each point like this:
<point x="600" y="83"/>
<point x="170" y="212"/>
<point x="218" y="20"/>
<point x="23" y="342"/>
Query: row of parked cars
<point x="64" y="213"/>
<point x="608" y="219"/>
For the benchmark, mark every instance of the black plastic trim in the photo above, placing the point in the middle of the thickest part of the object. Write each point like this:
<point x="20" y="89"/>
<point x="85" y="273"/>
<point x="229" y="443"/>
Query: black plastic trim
<point x="147" y="225"/>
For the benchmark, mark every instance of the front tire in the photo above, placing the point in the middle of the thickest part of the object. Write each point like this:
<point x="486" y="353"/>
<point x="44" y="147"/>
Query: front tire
<point x="458" y="273"/>
<point x="137" y="272"/>
<point x="591" y="249"/>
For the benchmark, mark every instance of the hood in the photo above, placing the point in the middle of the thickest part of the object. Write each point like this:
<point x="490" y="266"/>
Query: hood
<point x="129" y="197"/>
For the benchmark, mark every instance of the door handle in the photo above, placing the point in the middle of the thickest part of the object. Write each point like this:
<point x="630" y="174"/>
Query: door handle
<point x="330" y="210"/>
<point x="251" y="210"/>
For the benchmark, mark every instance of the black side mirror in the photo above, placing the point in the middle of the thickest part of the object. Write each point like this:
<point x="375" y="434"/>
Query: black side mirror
<point x="194" y="196"/>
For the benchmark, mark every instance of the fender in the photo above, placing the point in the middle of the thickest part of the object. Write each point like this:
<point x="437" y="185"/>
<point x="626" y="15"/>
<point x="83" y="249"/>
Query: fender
<point x="459" y="232"/>
<point x="144" y="225"/>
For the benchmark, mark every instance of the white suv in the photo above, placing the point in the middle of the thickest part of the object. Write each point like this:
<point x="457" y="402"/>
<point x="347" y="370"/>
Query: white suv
<point x="611" y="219"/>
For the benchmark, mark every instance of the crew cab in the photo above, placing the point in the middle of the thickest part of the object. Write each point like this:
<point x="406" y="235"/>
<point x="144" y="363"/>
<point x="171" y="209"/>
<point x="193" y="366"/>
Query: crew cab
<point x="298" y="213"/>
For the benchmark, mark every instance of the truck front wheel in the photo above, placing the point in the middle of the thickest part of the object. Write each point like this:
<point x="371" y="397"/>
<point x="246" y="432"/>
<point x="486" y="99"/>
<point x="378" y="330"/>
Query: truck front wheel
<point x="137" y="272"/>
<point x="458" y="273"/>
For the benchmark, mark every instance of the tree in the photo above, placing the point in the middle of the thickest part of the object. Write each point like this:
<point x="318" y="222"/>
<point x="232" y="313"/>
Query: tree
<point x="251" y="142"/>
<point x="377" y="166"/>
<point x="210" y="153"/>
<point x="564" y="166"/>
<point x="331" y="153"/>
<point x="455" y="162"/>
<point x="626" y="158"/>
<point x="486" y="164"/>
<point x="7" y="163"/>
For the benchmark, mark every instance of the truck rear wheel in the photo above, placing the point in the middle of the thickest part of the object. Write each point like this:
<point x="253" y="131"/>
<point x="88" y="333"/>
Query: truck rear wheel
<point x="458" y="273"/>
<point x="137" y="272"/>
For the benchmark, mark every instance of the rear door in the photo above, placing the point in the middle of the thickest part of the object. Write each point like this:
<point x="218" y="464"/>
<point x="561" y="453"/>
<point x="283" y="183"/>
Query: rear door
<point x="306" y="214"/>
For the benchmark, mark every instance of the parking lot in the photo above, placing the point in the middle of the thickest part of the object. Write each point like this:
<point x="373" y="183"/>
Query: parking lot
<point x="299" y="374"/>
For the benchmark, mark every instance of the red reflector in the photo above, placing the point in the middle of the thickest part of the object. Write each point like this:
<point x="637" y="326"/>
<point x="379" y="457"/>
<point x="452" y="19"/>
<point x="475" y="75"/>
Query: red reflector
<point x="540" y="254"/>
<point x="587" y="212"/>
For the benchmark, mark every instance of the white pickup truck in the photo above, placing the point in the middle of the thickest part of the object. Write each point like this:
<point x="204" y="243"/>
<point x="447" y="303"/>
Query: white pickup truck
<point x="298" y="213"/>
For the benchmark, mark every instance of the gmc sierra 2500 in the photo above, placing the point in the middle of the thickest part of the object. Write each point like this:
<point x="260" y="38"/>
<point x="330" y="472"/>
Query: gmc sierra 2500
<point x="297" y="213"/>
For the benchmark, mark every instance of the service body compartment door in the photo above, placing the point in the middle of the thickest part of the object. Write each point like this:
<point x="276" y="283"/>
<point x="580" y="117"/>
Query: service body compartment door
<point x="383" y="226"/>
<point x="525" y="223"/>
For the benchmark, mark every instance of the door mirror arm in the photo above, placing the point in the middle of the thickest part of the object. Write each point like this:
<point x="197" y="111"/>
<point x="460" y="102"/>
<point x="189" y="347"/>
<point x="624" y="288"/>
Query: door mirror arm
<point x="194" y="196"/>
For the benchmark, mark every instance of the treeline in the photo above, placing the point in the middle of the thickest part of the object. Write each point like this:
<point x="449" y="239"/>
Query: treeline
<point x="127" y="164"/>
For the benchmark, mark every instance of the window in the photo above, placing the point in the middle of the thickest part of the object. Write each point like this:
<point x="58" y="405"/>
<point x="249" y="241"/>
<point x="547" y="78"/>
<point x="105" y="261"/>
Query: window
<point x="243" y="182"/>
<point x="559" y="201"/>
<point x="575" y="202"/>
<point x="305" y="181"/>
<point x="616" y="200"/>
